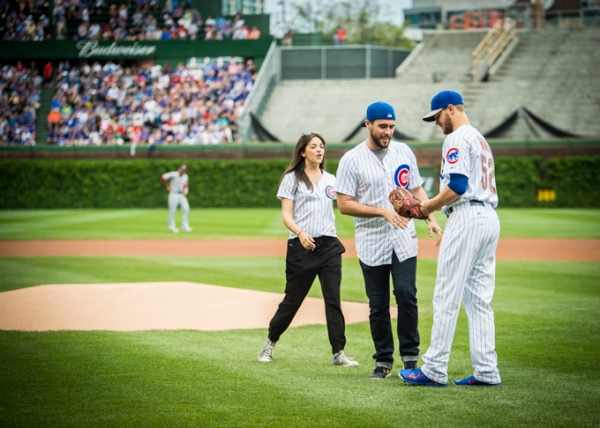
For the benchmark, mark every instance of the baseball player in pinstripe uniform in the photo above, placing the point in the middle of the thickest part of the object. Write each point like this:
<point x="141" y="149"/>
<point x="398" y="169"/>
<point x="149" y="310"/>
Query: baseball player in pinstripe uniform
<point x="306" y="193"/>
<point x="385" y="242"/>
<point x="466" y="262"/>
<point x="176" y="183"/>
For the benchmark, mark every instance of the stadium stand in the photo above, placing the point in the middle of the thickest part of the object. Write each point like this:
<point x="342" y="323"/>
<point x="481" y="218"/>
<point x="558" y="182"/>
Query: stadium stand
<point x="552" y="72"/>
<point x="546" y="86"/>
<point x="19" y="100"/>
<point x="24" y="20"/>
<point x="106" y="103"/>
<point x="337" y="107"/>
<point x="143" y="20"/>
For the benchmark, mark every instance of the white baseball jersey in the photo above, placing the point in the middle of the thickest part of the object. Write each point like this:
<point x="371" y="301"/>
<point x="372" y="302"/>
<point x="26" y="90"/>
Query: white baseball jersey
<point x="313" y="210"/>
<point x="466" y="152"/>
<point x="176" y="181"/>
<point x="466" y="263"/>
<point x="369" y="181"/>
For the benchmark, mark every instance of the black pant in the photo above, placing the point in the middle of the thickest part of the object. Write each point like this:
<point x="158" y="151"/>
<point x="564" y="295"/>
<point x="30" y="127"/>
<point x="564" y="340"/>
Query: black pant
<point x="302" y="267"/>
<point x="377" y="285"/>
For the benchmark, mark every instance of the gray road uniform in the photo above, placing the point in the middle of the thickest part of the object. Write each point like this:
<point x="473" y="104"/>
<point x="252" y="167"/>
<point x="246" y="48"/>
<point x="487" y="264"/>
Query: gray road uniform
<point x="177" y="198"/>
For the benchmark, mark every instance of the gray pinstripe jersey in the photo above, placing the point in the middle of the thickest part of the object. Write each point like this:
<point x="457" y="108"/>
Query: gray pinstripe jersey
<point x="369" y="181"/>
<point x="176" y="181"/>
<point x="313" y="211"/>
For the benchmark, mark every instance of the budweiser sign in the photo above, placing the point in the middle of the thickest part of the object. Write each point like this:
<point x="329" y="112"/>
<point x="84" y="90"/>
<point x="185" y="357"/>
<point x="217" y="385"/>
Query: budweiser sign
<point x="90" y="48"/>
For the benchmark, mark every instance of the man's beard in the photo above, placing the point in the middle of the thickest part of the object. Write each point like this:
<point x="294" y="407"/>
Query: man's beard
<point x="378" y="142"/>
<point x="447" y="126"/>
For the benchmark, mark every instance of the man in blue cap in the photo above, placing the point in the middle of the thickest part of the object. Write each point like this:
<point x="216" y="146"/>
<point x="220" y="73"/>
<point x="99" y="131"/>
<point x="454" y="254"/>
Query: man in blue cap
<point x="386" y="243"/>
<point x="466" y="262"/>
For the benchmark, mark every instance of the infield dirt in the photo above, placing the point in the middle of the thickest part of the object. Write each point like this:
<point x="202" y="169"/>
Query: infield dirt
<point x="180" y="305"/>
<point x="508" y="249"/>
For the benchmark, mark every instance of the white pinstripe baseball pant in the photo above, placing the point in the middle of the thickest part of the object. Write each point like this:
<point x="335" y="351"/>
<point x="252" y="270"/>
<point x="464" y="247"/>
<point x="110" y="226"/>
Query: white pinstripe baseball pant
<point x="466" y="271"/>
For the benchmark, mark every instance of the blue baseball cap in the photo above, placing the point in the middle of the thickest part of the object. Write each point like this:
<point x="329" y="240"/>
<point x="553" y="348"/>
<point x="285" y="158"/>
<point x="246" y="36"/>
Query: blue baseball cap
<point x="440" y="102"/>
<point x="379" y="110"/>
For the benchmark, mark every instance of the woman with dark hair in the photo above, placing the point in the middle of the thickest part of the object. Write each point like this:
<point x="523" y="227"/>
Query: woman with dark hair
<point x="306" y="194"/>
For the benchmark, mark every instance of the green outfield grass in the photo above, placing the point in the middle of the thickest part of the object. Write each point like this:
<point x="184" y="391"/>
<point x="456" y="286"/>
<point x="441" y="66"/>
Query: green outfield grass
<point x="247" y="223"/>
<point x="547" y="335"/>
<point x="547" y="342"/>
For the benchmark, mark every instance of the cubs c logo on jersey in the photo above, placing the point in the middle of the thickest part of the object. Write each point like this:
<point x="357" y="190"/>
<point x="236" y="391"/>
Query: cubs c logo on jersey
<point x="452" y="155"/>
<point x="402" y="175"/>
<point x="329" y="192"/>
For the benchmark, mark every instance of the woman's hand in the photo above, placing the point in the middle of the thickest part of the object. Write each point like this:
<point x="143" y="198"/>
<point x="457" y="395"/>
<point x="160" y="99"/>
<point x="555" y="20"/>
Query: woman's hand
<point x="306" y="240"/>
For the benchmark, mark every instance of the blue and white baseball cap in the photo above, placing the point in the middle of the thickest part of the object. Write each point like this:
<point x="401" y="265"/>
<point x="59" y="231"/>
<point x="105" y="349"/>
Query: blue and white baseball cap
<point x="380" y="110"/>
<point x="440" y="102"/>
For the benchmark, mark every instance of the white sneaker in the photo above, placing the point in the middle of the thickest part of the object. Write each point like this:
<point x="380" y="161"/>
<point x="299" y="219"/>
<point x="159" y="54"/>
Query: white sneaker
<point x="341" y="360"/>
<point x="266" y="354"/>
<point x="187" y="229"/>
<point x="175" y="230"/>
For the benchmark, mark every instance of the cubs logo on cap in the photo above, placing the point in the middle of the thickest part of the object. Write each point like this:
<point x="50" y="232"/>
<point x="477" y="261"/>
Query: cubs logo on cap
<point x="452" y="155"/>
<point x="441" y="101"/>
<point x="402" y="176"/>
<point x="329" y="192"/>
<point x="379" y="110"/>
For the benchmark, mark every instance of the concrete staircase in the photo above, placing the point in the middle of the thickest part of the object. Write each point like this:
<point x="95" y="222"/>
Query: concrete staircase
<point x="445" y="57"/>
<point x="41" y="123"/>
<point x="554" y="73"/>
<point x="336" y="107"/>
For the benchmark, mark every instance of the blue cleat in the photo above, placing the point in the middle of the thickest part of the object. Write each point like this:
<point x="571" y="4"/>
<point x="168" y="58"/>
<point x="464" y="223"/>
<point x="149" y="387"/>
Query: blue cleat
<point x="471" y="381"/>
<point x="417" y="377"/>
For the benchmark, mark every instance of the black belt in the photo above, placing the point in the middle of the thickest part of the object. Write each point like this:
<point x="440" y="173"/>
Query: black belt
<point x="472" y="203"/>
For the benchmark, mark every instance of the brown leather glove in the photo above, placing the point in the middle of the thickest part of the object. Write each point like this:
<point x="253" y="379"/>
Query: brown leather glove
<point x="407" y="205"/>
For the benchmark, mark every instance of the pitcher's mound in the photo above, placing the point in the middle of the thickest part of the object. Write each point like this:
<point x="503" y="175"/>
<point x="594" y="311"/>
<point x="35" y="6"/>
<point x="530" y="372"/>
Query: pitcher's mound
<point x="153" y="306"/>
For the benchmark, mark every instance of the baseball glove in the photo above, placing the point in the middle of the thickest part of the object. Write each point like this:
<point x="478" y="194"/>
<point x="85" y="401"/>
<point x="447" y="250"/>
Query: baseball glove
<point x="407" y="205"/>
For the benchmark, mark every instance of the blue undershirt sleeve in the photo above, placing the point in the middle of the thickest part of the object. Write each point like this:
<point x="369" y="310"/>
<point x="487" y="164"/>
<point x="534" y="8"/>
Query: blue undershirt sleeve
<point x="458" y="183"/>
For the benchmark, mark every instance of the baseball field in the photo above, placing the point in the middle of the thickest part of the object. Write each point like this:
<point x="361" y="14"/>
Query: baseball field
<point x="547" y="307"/>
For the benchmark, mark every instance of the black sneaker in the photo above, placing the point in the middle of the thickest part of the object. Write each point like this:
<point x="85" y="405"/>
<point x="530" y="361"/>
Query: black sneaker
<point x="410" y="365"/>
<point x="381" y="373"/>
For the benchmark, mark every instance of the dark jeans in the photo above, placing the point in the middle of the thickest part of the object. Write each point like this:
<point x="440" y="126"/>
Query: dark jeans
<point x="302" y="267"/>
<point x="377" y="285"/>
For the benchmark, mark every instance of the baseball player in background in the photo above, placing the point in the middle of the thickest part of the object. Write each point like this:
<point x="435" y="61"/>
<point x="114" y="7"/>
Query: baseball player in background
<point x="385" y="242"/>
<point x="176" y="183"/>
<point x="313" y="249"/>
<point x="466" y="262"/>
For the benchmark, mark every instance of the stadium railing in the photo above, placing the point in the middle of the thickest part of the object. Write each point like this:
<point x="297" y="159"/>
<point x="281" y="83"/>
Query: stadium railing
<point x="268" y="77"/>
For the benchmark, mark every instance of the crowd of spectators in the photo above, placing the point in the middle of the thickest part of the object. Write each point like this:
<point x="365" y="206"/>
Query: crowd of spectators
<point x="32" y="20"/>
<point x="221" y="29"/>
<point x="136" y="20"/>
<point x="25" y="20"/>
<point x="110" y="104"/>
<point x="19" y="99"/>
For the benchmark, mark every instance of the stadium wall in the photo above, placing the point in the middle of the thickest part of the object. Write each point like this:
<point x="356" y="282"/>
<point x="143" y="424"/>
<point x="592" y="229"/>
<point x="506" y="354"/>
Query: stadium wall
<point x="115" y="50"/>
<point x="345" y="62"/>
<point x="523" y="181"/>
<point x="428" y="153"/>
